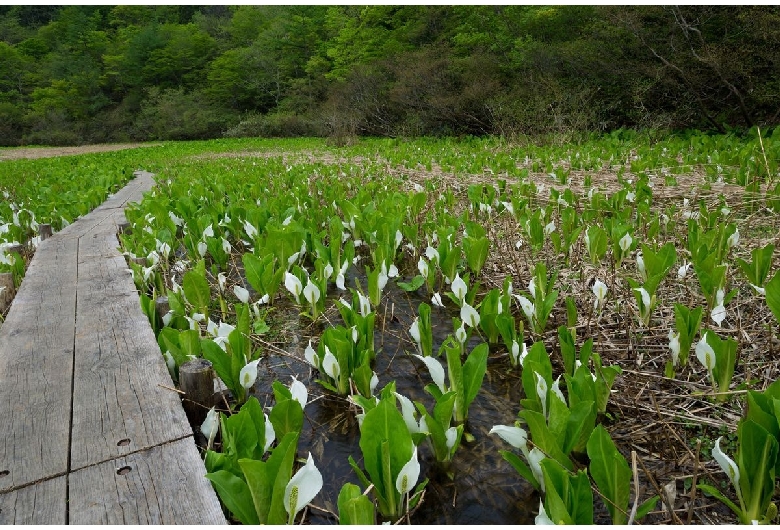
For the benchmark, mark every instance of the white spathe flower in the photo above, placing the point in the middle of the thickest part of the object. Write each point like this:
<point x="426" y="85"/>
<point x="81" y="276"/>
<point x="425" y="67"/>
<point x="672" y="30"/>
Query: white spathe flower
<point x="549" y="228"/>
<point x="535" y="457"/>
<point x="556" y="390"/>
<point x="311" y="357"/>
<point x="469" y="315"/>
<point x="759" y="290"/>
<point x="460" y="333"/>
<point x="170" y="362"/>
<point x="299" y="392"/>
<point x="451" y="436"/>
<point x="532" y="287"/>
<point x="625" y="242"/>
<point x="600" y="292"/>
<point x="514" y="351"/>
<point x="459" y="288"/>
<point x="222" y="280"/>
<point x="210" y="425"/>
<point x="330" y="364"/>
<point x="436" y="300"/>
<point x="513" y="435"/>
<point x="327" y="271"/>
<point x="392" y="272"/>
<point x="541" y="391"/>
<point x="414" y="330"/>
<point x="436" y="370"/>
<point x="733" y="239"/>
<point x="270" y="434"/>
<point x="527" y="306"/>
<point x="226" y="246"/>
<point x="178" y="221"/>
<point x="674" y="346"/>
<point x="292" y="259"/>
<point x="630" y="196"/>
<point x="640" y="265"/>
<point x="250" y="229"/>
<point x="398" y="238"/>
<point x="241" y="293"/>
<point x="683" y="270"/>
<point x="718" y="313"/>
<point x="373" y="383"/>
<point x="705" y="353"/>
<point x="302" y="488"/>
<point x="311" y="292"/>
<point x="542" y="518"/>
<point x="340" y="281"/>
<point x="408" y="412"/>
<point x="409" y="475"/>
<point x="248" y="374"/>
<point x="727" y="465"/>
<point x="432" y="254"/>
<point x="202" y="248"/>
<point x="208" y="232"/>
<point x="294" y="285"/>
<point x="365" y="305"/>
<point x="645" y="298"/>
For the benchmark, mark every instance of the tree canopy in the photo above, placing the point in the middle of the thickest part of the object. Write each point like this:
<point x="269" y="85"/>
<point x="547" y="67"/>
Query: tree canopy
<point x="77" y="74"/>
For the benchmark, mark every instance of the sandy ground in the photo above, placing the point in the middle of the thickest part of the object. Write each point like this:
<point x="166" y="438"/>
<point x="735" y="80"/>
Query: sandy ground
<point x="16" y="153"/>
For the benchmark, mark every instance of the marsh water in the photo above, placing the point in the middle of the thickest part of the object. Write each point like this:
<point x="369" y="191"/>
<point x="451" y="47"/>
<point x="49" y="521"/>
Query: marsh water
<point x="478" y="486"/>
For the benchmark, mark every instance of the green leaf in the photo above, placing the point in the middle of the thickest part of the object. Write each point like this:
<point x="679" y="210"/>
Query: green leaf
<point x="197" y="290"/>
<point x="220" y="361"/>
<point x="354" y="507"/>
<point x="413" y="285"/>
<point x="772" y="291"/>
<point x="235" y="495"/>
<point x="286" y="417"/>
<point x="612" y="474"/>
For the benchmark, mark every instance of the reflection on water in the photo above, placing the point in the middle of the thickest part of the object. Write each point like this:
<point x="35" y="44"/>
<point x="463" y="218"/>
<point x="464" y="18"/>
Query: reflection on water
<point x="484" y="488"/>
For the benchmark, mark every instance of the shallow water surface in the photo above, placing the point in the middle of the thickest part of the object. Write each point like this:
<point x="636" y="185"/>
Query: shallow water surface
<point x="479" y="487"/>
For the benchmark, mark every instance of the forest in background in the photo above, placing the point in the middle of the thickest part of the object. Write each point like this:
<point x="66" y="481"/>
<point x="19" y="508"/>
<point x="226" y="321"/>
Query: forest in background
<point x="91" y="74"/>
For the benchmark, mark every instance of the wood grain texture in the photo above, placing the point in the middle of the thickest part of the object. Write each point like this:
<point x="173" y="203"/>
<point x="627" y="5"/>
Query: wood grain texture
<point x="81" y="376"/>
<point x="36" y="362"/>
<point x="41" y="503"/>
<point x="163" y="485"/>
<point x="120" y="373"/>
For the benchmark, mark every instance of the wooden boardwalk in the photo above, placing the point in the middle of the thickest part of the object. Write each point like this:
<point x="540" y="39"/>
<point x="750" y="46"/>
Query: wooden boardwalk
<point x="92" y="433"/>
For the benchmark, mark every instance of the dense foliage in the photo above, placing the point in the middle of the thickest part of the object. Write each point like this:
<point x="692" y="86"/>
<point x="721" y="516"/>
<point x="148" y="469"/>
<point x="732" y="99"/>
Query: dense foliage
<point x="112" y="73"/>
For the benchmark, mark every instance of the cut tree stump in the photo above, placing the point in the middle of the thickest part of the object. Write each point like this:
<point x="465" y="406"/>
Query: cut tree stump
<point x="196" y="380"/>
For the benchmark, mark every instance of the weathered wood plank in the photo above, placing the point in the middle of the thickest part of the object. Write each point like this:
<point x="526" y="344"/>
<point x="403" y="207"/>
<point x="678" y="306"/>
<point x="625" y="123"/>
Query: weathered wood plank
<point x="120" y="404"/>
<point x="36" y="362"/>
<point x="107" y="212"/>
<point x="162" y="485"/>
<point x="41" y="503"/>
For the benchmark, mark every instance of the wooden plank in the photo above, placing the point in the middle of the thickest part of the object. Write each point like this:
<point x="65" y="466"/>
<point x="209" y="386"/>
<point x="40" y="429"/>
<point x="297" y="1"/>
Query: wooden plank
<point x="120" y="400"/>
<point x="162" y="485"/>
<point x="41" y="503"/>
<point x="104" y="214"/>
<point x="36" y="362"/>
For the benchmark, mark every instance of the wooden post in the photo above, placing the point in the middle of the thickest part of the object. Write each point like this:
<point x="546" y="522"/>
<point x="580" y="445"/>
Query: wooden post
<point x="17" y="248"/>
<point x="196" y="379"/>
<point x="44" y="230"/>
<point x="7" y="290"/>
<point x="161" y="306"/>
<point x="140" y="260"/>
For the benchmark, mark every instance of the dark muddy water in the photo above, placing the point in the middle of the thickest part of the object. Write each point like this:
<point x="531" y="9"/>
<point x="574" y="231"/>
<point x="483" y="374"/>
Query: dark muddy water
<point x="478" y="487"/>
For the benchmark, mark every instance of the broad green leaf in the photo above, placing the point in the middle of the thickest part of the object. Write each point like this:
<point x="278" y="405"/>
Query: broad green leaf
<point x="197" y="290"/>
<point x="235" y="495"/>
<point x="612" y="474"/>
<point x="354" y="507"/>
